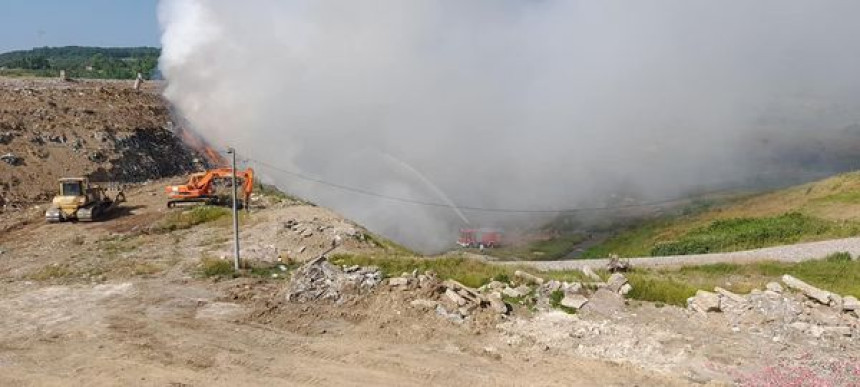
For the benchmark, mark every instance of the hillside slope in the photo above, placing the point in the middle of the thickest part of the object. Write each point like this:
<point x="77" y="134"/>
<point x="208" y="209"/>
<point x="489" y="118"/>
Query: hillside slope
<point x="825" y="209"/>
<point x="105" y="130"/>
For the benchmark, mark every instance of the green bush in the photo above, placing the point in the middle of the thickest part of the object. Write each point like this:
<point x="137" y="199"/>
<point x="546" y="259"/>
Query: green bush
<point x="214" y="267"/>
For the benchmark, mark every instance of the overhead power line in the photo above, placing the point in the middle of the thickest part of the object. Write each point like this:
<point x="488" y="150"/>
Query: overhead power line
<point x="405" y="200"/>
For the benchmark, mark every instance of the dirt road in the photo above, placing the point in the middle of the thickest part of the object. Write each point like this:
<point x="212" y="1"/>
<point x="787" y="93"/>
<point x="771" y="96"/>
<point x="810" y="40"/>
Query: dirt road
<point x="789" y="253"/>
<point x="170" y="333"/>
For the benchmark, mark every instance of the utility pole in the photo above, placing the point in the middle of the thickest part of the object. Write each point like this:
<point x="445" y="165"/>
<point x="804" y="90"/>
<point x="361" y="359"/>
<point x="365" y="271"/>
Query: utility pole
<point x="232" y="152"/>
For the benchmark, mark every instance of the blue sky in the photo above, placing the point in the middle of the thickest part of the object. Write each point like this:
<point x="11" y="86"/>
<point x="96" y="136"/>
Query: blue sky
<point x="26" y="24"/>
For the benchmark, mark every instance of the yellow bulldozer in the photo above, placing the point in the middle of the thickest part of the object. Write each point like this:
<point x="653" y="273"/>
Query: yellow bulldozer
<point x="80" y="200"/>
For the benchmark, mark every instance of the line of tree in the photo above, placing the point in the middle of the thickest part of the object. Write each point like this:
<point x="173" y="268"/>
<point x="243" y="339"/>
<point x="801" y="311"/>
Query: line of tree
<point x="83" y="62"/>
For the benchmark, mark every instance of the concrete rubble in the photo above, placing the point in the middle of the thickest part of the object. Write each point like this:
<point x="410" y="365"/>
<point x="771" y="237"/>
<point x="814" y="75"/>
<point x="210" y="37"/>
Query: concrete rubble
<point x="320" y="280"/>
<point x="812" y="311"/>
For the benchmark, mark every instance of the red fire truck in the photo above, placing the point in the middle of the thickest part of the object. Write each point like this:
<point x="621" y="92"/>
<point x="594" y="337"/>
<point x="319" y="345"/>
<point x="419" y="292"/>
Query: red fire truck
<point x="480" y="237"/>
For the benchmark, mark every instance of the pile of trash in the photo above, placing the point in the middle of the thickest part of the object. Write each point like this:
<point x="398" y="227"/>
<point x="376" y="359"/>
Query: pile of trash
<point x="776" y="312"/>
<point x="320" y="280"/>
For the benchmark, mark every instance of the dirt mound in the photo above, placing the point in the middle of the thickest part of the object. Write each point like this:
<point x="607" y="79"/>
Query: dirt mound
<point x="102" y="129"/>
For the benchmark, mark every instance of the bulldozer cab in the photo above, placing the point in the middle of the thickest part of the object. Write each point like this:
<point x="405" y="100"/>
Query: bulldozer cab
<point x="73" y="186"/>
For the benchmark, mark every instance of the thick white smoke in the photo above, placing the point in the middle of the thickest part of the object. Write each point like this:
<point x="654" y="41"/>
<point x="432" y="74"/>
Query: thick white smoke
<point x="533" y="104"/>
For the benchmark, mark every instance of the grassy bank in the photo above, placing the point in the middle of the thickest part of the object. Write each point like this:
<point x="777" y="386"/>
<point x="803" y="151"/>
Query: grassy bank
<point x="822" y="210"/>
<point x="837" y="273"/>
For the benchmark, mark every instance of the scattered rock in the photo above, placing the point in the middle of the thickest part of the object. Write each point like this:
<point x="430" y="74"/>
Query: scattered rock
<point x="455" y="297"/>
<point x="774" y="287"/>
<point x="495" y="285"/>
<point x="627" y="288"/>
<point x="496" y="303"/>
<point x="731" y="296"/>
<point x="511" y="292"/>
<point x="616" y="264"/>
<point x="320" y="280"/>
<point x="398" y="282"/>
<point x="574" y="287"/>
<point x="575" y="301"/>
<point x="551" y="286"/>
<point x="704" y="302"/>
<point x="850" y="303"/>
<point x="591" y="274"/>
<point x="616" y="281"/>
<point x="528" y="278"/>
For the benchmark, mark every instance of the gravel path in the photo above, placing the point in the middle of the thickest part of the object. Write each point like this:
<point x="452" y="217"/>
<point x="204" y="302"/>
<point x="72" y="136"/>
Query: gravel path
<point x="788" y="253"/>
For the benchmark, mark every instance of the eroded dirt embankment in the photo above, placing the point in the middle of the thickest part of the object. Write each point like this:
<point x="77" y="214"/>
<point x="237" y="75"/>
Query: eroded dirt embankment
<point x="102" y="129"/>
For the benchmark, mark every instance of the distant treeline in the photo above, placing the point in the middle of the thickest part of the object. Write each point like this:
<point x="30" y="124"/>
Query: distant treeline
<point x="82" y="62"/>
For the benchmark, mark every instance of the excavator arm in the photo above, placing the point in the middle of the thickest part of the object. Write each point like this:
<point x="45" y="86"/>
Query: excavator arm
<point x="199" y="187"/>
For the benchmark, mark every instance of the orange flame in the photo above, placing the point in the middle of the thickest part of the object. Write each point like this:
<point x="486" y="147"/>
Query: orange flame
<point x="201" y="146"/>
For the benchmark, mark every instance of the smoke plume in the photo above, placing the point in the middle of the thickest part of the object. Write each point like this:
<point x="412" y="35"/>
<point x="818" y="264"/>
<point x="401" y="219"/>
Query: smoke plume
<point x="512" y="104"/>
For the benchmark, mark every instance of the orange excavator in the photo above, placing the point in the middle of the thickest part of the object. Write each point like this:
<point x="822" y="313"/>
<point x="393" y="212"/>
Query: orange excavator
<point x="200" y="187"/>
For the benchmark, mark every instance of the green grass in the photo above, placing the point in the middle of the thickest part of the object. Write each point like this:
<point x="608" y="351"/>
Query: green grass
<point x="52" y="271"/>
<point x="836" y="273"/>
<point x="850" y="197"/>
<point x="723" y="235"/>
<point x="214" y="267"/>
<point x="748" y="233"/>
<point x="551" y="249"/>
<point x="181" y="220"/>
<point x="635" y="242"/>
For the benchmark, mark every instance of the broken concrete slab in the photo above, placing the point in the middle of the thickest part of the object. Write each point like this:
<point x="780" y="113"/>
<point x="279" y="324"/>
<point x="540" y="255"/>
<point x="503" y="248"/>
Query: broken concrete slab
<point x="496" y="303"/>
<point x="627" y="288"/>
<point x="604" y="302"/>
<point x="616" y="281"/>
<point x="822" y="296"/>
<point x="575" y="301"/>
<point x="850" y="303"/>
<point x="704" y="302"/>
<point x="734" y="297"/>
<point x="774" y="287"/>
<point x="528" y="278"/>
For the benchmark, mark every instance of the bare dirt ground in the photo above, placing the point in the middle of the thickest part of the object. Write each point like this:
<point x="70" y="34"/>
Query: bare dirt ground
<point x="110" y="303"/>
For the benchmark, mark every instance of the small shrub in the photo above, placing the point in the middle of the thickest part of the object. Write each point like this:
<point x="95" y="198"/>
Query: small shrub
<point x="51" y="272"/>
<point x="839" y="257"/>
<point x="214" y="267"/>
